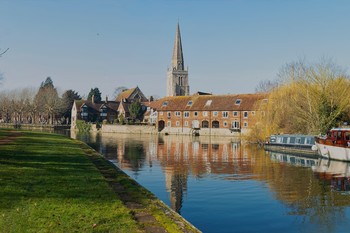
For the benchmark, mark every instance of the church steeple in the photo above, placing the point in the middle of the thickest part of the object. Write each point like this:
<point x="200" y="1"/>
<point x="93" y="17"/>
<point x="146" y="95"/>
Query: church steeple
<point x="178" y="58"/>
<point x="177" y="81"/>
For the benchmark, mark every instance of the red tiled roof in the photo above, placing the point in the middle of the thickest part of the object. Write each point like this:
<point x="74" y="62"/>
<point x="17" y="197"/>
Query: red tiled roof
<point x="208" y="102"/>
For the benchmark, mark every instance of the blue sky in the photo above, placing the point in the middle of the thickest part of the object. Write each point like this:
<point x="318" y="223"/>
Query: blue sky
<point x="229" y="45"/>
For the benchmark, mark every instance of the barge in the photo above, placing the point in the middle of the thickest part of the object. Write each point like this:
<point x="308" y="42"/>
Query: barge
<point x="292" y="143"/>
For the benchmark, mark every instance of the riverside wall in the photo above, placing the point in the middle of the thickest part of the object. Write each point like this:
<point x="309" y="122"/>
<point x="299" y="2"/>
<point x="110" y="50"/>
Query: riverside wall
<point x="146" y="129"/>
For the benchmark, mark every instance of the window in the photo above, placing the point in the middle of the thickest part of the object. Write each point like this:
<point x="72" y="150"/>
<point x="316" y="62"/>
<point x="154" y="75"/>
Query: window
<point x="253" y="113"/>
<point x="215" y="124"/>
<point x="208" y="103"/>
<point x="168" y="114"/>
<point x="169" y="123"/>
<point x="186" y="114"/>
<point x="215" y="113"/>
<point x="235" y="114"/>
<point x="165" y="103"/>
<point x="160" y="113"/>
<point x="205" y="113"/>
<point x="235" y="125"/>
<point x="245" y="124"/>
<point x="225" y="124"/>
<point x="177" y="114"/>
<point x="238" y="102"/>
<point x="186" y="123"/>
<point x="189" y="103"/>
<point x="195" y="113"/>
<point x="205" y="124"/>
<point x="224" y="114"/>
<point x="177" y="123"/>
<point x="245" y="114"/>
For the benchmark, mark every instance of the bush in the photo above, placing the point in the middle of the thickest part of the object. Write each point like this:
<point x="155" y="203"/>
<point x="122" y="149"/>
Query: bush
<point x="83" y="126"/>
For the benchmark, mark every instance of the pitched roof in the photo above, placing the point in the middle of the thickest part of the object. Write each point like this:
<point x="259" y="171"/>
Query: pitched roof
<point x="125" y="94"/>
<point x="97" y="105"/>
<point x="239" y="102"/>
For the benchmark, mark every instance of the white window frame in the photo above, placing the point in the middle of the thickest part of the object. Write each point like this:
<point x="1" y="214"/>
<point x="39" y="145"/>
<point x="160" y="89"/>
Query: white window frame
<point x="245" y="114"/>
<point x="186" y="114"/>
<point x="225" y="114"/>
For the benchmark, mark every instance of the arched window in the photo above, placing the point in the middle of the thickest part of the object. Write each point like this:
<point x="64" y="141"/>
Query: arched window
<point x="215" y="124"/>
<point x="205" y="124"/>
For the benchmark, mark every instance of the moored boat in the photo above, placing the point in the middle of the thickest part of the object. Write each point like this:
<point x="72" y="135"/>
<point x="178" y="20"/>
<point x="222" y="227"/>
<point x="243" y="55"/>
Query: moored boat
<point x="292" y="143"/>
<point x="336" y="145"/>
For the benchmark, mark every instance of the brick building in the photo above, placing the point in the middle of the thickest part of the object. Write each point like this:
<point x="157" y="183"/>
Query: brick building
<point x="207" y="114"/>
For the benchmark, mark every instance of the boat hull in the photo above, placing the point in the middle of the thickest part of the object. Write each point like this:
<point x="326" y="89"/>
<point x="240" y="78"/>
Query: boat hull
<point x="333" y="152"/>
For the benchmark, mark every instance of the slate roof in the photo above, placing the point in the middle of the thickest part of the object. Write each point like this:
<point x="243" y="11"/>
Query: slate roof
<point x="97" y="105"/>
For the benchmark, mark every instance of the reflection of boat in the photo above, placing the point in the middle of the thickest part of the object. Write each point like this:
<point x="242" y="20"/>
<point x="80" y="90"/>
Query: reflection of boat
<point x="336" y="173"/>
<point x="336" y="145"/>
<point x="293" y="159"/>
<point x="292" y="143"/>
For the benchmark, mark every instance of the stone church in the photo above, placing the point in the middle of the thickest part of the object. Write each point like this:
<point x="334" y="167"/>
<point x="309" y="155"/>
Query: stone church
<point x="177" y="82"/>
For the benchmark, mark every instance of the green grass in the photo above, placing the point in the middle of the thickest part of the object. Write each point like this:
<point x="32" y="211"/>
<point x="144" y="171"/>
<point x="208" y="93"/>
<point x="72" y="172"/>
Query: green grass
<point x="48" y="184"/>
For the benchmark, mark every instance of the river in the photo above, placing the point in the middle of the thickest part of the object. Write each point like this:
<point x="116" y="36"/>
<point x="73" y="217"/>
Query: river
<point x="221" y="185"/>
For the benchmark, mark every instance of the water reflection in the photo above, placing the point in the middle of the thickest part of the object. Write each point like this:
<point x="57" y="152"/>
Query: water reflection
<point x="336" y="174"/>
<point x="240" y="181"/>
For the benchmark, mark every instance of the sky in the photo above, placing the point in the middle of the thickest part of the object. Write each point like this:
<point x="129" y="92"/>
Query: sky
<point x="229" y="46"/>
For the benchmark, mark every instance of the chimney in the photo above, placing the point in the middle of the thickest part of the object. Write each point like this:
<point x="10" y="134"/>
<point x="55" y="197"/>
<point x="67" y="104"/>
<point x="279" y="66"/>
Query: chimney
<point x="93" y="99"/>
<point x="106" y="99"/>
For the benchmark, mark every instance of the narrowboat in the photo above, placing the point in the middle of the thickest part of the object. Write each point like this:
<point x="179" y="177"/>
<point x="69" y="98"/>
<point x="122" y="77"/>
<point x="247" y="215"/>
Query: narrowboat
<point x="335" y="145"/>
<point x="292" y="143"/>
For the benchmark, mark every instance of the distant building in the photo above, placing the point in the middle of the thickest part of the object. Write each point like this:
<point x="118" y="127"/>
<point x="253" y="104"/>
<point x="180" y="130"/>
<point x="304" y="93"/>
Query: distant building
<point x="92" y="111"/>
<point x="207" y="114"/>
<point x="177" y="82"/>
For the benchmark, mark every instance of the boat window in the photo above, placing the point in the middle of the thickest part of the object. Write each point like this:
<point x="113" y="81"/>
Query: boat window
<point x="285" y="140"/>
<point x="292" y="140"/>
<point x="347" y="136"/>
<point x="339" y="135"/>
<point x="298" y="140"/>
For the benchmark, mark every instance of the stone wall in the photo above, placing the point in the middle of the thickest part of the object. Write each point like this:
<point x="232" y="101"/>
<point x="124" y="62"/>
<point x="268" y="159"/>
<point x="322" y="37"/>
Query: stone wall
<point x="129" y="129"/>
<point x="145" y="129"/>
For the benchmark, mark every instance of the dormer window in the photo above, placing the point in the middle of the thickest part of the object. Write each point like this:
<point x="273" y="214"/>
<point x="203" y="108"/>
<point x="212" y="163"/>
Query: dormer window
<point x="189" y="103"/>
<point x="238" y="102"/>
<point x="165" y="103"/>
<point x="208" y="103"/>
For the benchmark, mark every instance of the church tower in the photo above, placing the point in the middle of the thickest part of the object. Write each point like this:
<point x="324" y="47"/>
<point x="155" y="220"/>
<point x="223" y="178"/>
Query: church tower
<point x="177" y="83"/>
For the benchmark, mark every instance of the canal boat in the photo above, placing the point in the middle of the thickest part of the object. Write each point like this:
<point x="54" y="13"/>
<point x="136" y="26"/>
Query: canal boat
<point x="292" y="143"/>
<point x="335" y="145"/>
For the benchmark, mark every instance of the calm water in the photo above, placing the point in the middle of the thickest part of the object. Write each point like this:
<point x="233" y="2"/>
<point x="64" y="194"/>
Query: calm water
<point x="220" y="185"/>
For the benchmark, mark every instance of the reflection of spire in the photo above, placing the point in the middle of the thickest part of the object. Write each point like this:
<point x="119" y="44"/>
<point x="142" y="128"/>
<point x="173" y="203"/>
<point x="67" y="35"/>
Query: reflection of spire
<point x="178" y="188"/>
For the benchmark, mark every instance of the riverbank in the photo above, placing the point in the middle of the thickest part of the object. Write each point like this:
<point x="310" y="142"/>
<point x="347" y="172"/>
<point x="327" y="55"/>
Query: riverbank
<point x="55" y="184"/>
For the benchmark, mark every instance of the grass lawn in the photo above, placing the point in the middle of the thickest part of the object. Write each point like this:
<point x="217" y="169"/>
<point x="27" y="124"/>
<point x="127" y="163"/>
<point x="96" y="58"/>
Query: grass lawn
<point x="48" y="184"/>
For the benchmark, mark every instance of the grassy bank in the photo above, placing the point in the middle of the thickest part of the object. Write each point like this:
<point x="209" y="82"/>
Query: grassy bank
<point x="50" y="183"/>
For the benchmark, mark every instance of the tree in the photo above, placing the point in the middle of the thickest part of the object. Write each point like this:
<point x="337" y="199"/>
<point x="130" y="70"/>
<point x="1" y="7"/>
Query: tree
<point x="119" y="90"/>
<point x="48" y="102"/>
<point x="2" y="53"/>
<point x="266" y="86"/>
<point x="311" y="99"/>
<point x="94" y="92"/>
<point x="135" y="110"/>
<point x="68" y="98"/>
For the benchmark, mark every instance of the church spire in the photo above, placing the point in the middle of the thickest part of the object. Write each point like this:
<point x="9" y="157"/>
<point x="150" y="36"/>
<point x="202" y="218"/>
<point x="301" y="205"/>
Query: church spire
<point x="178" y="58"/>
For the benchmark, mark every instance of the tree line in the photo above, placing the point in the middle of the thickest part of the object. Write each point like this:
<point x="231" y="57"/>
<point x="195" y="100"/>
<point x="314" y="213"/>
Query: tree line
<point x="37" y="106"/>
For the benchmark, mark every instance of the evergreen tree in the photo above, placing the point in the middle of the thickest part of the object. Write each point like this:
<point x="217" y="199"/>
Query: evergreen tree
<point x="96" y="93"/>
<point x="68" y="98"/>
